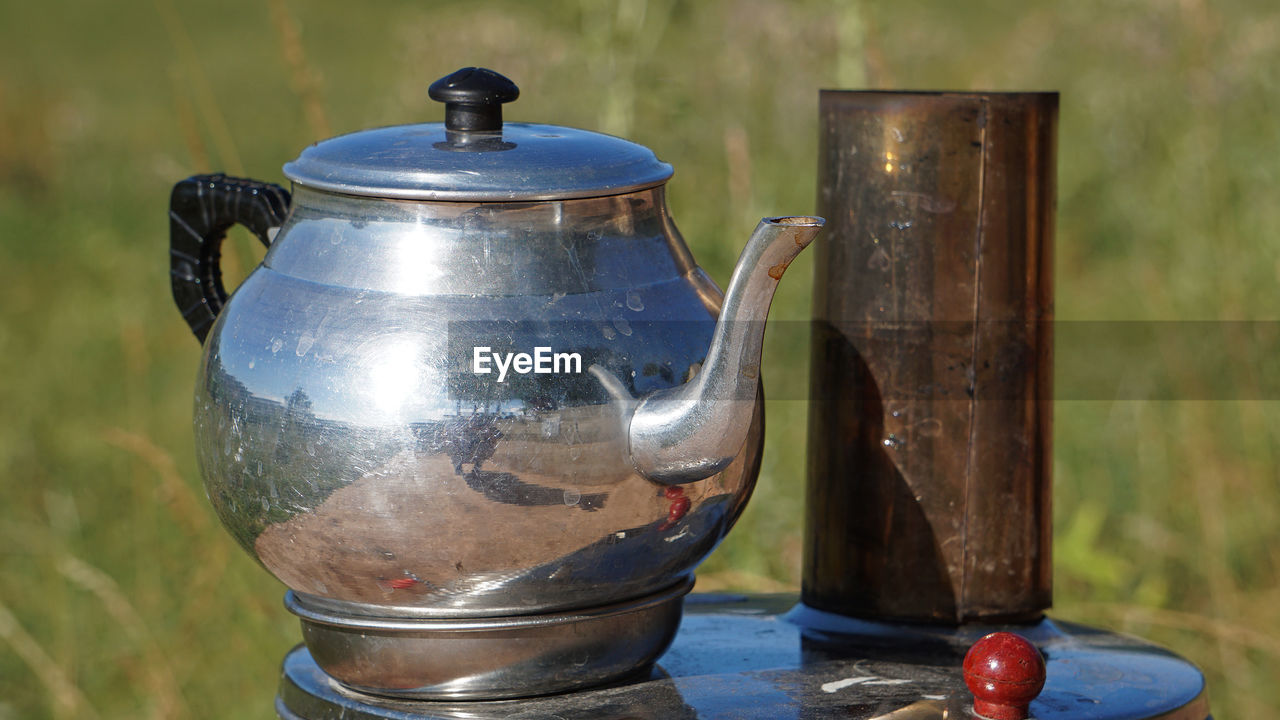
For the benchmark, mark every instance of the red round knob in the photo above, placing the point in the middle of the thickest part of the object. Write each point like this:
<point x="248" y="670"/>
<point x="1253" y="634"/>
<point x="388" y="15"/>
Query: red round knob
<point x="1005" y="673"/>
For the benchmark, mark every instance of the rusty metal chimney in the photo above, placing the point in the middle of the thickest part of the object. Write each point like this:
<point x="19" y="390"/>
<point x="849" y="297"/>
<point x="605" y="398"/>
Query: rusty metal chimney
<point x="930" y="429"/>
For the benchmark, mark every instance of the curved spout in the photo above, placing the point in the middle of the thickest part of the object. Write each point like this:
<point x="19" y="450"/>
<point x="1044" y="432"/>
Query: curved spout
<point x="693" y="431"/>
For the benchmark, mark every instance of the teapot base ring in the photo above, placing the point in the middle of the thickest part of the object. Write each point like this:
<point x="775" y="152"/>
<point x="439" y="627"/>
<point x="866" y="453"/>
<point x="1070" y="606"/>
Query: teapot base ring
<point x="490" y="657"/>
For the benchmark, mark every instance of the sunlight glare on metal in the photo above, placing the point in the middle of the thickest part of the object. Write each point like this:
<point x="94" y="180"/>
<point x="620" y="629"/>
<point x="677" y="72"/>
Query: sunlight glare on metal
<point x="395" y="372"/>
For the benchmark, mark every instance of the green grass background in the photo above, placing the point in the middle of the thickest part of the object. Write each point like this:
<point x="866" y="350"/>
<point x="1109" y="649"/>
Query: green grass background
<point x="121" y="597"/>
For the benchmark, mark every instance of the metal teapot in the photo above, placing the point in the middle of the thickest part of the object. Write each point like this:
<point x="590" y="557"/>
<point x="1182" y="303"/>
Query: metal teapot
<point x="476" y="389"/>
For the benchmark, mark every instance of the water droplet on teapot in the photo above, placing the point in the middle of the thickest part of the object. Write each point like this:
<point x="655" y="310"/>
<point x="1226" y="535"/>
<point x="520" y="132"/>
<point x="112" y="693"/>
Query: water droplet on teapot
<point x="623" y="326"/>
<point x="276" y="345"/>
<point x="893" y="442"/>
<point x="608" y="333"/>
<point x="304" y="343"/>
<point x="571" y="497"/>
<point x="634" y="302"/>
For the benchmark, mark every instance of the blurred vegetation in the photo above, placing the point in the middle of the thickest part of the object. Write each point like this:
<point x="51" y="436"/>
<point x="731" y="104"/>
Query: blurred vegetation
<point x="120" y="596"/>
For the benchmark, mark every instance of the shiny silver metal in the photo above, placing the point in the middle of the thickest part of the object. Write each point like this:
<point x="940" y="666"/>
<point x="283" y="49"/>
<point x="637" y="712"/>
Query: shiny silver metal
<point x="446" y="409"/>
<point x="688" y="432"/>
<point x="348" y="444"/>
<point x="522" y="161"/>
<point x="453" y="399"/>
<point x="459" y="658"/>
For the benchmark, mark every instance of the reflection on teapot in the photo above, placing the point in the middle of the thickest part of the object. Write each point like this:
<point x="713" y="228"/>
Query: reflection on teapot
<point x="343" y="433"/>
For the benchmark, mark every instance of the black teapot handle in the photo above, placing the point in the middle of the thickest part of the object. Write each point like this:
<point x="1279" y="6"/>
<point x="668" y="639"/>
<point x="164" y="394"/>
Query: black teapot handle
<point x="201" y="210"/>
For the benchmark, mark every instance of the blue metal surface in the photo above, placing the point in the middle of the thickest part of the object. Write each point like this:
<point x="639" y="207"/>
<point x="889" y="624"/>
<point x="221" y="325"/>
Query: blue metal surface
<point x="767" y="657"/>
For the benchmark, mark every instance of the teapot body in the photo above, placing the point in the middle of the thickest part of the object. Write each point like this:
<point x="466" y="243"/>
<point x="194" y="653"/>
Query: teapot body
<point x="400" y="412"/>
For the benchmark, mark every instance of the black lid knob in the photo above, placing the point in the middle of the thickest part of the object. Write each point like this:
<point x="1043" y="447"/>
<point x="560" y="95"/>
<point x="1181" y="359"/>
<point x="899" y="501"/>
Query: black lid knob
<point x="473" y="98"/>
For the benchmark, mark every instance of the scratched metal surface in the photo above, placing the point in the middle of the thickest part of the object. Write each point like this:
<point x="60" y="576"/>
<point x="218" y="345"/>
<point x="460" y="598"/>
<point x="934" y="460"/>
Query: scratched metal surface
<point x="765" y="657"/>
<point x="347" y="446"/>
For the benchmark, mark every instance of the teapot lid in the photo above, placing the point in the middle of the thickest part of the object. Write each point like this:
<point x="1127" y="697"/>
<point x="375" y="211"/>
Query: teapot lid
<point x="474" y="156"/>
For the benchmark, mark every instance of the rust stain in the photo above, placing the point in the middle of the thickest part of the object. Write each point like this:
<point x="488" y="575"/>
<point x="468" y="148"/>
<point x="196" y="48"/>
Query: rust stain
<point x="776" y="271"/>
